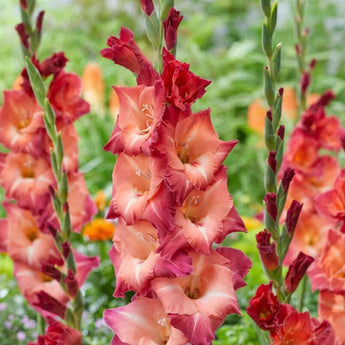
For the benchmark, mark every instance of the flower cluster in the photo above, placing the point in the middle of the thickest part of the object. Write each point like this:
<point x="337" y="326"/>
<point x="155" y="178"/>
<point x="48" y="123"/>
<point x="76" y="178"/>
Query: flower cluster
<point x="31" y="228"/>
<point x="319" y="184"/>
<point x="171" y="200"/>
<point x="311" y="153"/>
<point x="285" y="324"/>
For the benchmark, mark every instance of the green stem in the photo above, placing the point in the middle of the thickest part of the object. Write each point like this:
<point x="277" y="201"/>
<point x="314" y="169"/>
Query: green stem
<point x="302" y="293"/>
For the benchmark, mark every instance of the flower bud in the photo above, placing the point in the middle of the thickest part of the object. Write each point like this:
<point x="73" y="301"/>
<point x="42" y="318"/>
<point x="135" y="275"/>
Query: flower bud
<point x="24" y="4"/>
<point x="71" y="283"/>
<point x="292" y="216"/>
<point x="288" y="175"/>
<point x="281" y="132"/>
<point x="268" y="87"/>
<point x="66" y="249"/>
<point x="271" y="205"/>
<point x="23" y="36"/>
<point x="39" y="21"/>
<point x="147" y="6"/>
<point x="267" y="250"/>
<point x="170" y="28"/>
<point x="296" y="271"/>
<point x="49" y="303"/>
<point x="305" y="82"/>
<point x="271" y="160"/>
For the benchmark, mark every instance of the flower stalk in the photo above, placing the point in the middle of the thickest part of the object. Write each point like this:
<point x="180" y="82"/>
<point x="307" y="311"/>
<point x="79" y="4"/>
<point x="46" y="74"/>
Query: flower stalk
<point x="276" y="193"/>
<point x="59" y="196"/>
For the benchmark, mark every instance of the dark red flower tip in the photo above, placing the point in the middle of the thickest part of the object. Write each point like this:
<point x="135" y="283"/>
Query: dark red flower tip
<point x="271" y="160"/>
<point x="281" y="91"/>
<point x="271" y="204"/>
<point x="312" y="64"/>
<point x="292" y="216"/>
<point x="267" y="250"/>
<point x="23" y="36"/>
<point x="71" y="283"/>
<point x="39" y="21"/>
<point x="147" y="6"/>
<point x="171" y="25"/>
<point x="296" y="271"/>
<point x="269" y="115"/>
<point x="305" y="82"/>
<point x="24" y="4"/>
<point x="288" y="175"/>
<point x="54" y="64"/>
<point x="50" y="304"/>
<point x="281" y="132"/>
<point x="66" y="249"/>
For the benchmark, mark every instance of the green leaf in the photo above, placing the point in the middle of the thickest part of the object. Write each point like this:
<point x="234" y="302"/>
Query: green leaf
<point x="37" y="82"/>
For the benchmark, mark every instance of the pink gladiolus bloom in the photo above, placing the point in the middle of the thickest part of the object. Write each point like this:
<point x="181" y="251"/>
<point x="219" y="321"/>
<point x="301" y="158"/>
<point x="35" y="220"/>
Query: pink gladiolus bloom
<point x="26" y="180"/>
<point x="331" y="308"/>
<point x="136" y="260"/>
<point x="139" y="193"/>
<point x="208" y="290"/>
<point x="202" y="213"/>
<point x="64" y="95"/>
<point x="328" y="271"/>
<point x="142" y="322"/>
<point x="192" y="163"/>
<point x="21" y="123"/>
<point x="25" y="242"/>
<point x="32" y="281"/>
<point x="332" y="203"/>
<point x="85" y="264"/>
<point x="141" y="111"/>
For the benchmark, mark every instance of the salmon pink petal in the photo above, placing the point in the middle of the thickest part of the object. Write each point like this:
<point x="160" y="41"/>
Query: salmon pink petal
<point x="330" y="204"/>
<point x="218" y="297"/>
<point x="21" y="123"/>
<point x="85" y="264"/>
<point x="231" y="223"/>
<point x="198" y="328"/>
<point x="64" y="95"/>
<point x="224" y="148"/>
<point x="239" y="264"/>
<point x="331" y="308"/>
<point x="31" y="282"/>
<point x="179" y="184"/>
<point x="328" y="270"/>
<point x="171" y="291"/>
<point x="141" y="321"/>
<point x="115" y="143"/>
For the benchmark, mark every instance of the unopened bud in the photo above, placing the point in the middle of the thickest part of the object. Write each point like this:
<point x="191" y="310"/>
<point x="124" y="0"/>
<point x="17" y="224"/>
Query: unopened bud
<point x="267" y="250"/>
<point x="296" y="271"/>
<point x="288" y="175"/>
<point x="271" y="160"/>
<point x="271" y="205"/>
<point x="147" y="6"/>
<point x="292" y="216"/>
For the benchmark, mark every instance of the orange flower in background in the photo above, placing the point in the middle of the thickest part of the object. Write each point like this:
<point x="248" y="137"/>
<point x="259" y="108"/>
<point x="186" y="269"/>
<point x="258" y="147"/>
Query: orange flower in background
<point x="114" y="104"/>
<point x="17" y="83"/>
<point x="257" y="109"/>
<point x="93" y="87"/>
<point x="100" y="200"/>
<point x="99" y="230"/>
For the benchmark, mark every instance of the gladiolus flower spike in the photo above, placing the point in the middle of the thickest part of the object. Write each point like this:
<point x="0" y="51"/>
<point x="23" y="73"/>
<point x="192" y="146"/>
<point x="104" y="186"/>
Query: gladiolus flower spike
<point x="171" y="201"/>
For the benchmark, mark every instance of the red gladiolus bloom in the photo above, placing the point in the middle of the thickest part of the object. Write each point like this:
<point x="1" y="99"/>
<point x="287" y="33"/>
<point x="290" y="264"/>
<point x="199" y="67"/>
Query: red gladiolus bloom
<point x="182" y="87"/>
